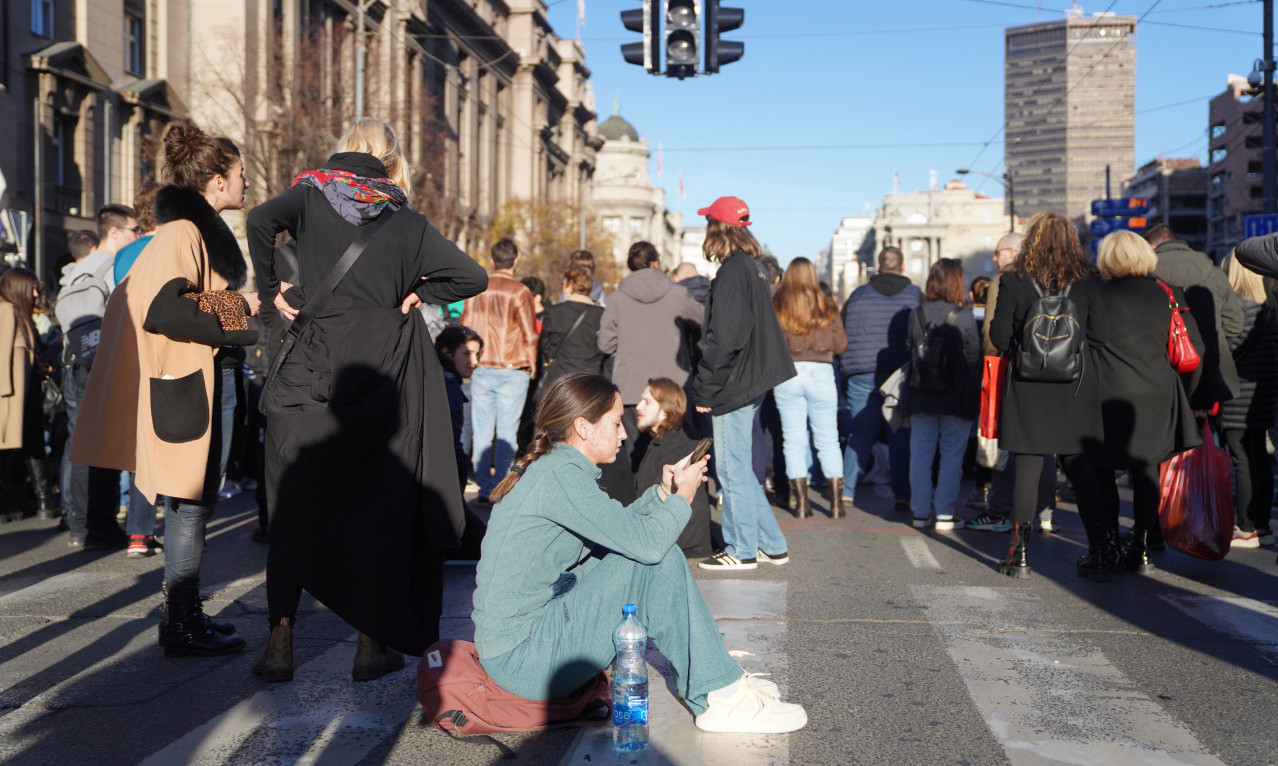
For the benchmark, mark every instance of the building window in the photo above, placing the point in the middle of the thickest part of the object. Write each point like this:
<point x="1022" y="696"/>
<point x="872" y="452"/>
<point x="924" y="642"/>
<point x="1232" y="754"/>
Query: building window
<point x="612" y="224"/>
<point x="42" y="17"/>
<point x="636" y="228"/>
<point x="133" y="45"/>
<point x="1218" y="155"/>
<point x="1217" y="131"/>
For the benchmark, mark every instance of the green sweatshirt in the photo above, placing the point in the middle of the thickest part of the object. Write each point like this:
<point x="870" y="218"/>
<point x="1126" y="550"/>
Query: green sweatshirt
<point x="549" y="522"/>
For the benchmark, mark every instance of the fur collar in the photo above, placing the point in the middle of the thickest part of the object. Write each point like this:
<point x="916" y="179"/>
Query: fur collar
<point x="175" y="203"/>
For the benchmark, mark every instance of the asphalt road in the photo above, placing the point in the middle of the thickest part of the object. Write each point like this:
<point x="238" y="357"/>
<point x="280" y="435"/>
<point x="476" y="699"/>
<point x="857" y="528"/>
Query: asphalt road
<point x="906" y="647"/>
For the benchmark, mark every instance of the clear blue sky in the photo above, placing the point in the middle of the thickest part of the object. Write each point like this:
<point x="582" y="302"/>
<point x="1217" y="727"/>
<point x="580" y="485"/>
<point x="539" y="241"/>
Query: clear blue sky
<point x="861" y="75"/>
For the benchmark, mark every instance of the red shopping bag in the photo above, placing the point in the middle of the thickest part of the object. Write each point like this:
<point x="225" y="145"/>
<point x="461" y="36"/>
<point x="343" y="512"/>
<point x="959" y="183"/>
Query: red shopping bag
<point x="993" y="381"/>
<point x="1196" y="511"/>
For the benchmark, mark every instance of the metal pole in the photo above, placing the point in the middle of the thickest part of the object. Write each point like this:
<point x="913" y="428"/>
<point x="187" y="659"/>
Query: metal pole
<point x="360" y="55"/>
<point x="36" y="256"/>
<point x="1011" y="201"/>
<point x="1107" y="196"/>
<point x="1268" y="159"/>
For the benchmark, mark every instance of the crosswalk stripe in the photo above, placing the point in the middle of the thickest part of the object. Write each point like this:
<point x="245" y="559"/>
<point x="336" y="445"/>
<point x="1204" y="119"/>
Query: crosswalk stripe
<point x="918" y="553"/>
<point x="746" y="611"/>
<point x="1050" y="697"/>
<point x="1254" y="622"/>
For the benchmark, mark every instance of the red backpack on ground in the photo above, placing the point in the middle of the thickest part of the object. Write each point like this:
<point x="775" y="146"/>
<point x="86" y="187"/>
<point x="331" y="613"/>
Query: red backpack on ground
<point x="458" y="696"/>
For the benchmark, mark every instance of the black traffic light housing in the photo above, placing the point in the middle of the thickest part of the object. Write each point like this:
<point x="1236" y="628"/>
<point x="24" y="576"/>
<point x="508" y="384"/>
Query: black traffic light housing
<point x="682" y="38"/>
<point x="647" y="21"/>
<point x="720" y="19"/>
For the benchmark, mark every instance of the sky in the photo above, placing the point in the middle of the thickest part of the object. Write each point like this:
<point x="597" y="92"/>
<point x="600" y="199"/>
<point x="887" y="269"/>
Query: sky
<point x="834" y="96"/>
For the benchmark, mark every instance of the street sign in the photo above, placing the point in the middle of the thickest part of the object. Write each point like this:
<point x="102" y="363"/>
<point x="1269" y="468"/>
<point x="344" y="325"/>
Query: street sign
<point x="1102" y="226"/>
<point x="1120" y="207"/>
<point x="1260" y="224"/>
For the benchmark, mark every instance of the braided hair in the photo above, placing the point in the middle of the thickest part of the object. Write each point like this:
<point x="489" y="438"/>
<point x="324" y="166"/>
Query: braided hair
<point x="575" y="395"/>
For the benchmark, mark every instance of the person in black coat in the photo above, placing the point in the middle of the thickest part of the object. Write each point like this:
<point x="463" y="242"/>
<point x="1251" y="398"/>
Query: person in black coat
<point x="665" y="439"/>
<point x="1143" y="402"/>
<point x="1043" y="418"/>
<point x="1245" y="418"/>
<point x="568" y="332"/>
<point x="362" y="478"/>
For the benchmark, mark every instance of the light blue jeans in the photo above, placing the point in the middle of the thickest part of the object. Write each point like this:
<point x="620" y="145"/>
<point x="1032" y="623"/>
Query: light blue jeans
<point x="496" y="404"/>
<point x="749" y="525"/>
<point x="810" y="398"/>
<point x="928" y="433"/>
<point x="865" y="405"/>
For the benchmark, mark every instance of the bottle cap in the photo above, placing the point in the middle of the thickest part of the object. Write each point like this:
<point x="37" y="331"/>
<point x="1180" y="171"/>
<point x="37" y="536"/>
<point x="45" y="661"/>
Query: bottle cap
<point x="628" y="609"/>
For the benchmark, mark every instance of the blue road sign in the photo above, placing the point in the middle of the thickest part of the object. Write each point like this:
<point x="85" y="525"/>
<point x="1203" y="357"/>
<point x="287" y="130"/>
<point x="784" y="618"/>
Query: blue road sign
<point x="1259" y="225"/>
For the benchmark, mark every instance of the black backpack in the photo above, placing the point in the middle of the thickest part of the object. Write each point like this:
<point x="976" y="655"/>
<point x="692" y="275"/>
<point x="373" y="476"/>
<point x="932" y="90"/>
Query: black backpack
<point x="1051" y="347"/>
<point x="934" y="361"/>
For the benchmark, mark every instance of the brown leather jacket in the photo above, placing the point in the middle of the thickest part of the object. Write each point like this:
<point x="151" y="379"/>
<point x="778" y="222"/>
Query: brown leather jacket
<point x="503" y="316"/>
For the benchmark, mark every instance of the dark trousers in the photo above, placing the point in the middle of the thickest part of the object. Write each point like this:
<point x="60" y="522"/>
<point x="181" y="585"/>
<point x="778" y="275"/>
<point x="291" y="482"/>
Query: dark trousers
<point x="1078" y="469"/>
<point x="1002" y="482"/>
<point x="1253" y="480"/>
<point x="1145" y="496"/>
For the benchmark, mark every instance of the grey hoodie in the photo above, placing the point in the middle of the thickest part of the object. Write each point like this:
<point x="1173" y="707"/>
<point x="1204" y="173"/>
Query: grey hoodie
<point x="651" y="324"/>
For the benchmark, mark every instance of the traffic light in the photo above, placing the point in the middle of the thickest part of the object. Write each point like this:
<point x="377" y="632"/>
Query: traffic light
<point x="720" y="52"/>
<point x="645" y="20"/>
<point x="682" y="27"/>
<point x="1118" y="214"/>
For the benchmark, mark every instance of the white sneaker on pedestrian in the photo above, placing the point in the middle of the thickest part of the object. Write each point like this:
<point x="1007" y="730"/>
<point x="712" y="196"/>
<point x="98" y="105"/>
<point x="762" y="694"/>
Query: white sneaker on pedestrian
<point x="947" y="525"/>
<point x="781" y="558"/>
<point x="1244" y="539"/>
<point x="726" y="562"/>
<point x="743" y="707"/>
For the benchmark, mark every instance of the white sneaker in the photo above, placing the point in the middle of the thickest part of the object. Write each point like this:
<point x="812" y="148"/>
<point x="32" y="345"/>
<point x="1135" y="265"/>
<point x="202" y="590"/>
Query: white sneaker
<point x="726" y="562"/>
<point x="946" y="525"/>
<point x="745" y="708"/>
<point x="779" y="559"/>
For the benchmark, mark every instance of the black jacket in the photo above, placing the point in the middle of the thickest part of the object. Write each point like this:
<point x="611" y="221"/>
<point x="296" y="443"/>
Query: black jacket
<point x="1039" y="418"/>
<point x="652" y="455"/>
<point x="963" y="337"/>
<point x="1255" y="352"/>
<point x="744" y="354"/>
<point x="1260" y="254"/>
<point x="1145" y="409"/>
<point x="562" y="349"/>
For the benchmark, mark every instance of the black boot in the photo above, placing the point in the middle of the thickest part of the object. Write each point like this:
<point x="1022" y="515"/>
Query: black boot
<point x="38" y="473"/>
<point x="1095" y="565"/>
<point x="799" y="491"/>
<point x="373" y="659"/>
<point x="185" y="631"/>
<point x="276" y="662"/>
<point x="1017" y="564"/>
<point x="1155" y="540"/>
<point x="225" y="628"/>
<point x="836" y="498"/>
<point x="1137" y="558"/>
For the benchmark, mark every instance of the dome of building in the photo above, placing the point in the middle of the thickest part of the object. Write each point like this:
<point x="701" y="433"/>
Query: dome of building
<point x="614" y="128"/>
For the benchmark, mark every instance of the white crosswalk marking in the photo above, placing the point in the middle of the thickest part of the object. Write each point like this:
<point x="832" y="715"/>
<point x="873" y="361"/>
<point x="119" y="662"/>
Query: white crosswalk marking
<point x="917" y="552"/>
<point x="742" y="608"/>
<point x="1255" y="622"/>
<point x="1050" y="697"/>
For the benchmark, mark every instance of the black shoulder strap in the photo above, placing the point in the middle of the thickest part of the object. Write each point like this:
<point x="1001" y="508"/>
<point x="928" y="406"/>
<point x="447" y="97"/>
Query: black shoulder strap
<point x="954" y="312"/>
<point x="315" y="301"/>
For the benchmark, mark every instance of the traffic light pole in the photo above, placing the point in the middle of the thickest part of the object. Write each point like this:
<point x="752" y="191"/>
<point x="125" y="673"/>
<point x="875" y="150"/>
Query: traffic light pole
<point x="1269" y="162"/>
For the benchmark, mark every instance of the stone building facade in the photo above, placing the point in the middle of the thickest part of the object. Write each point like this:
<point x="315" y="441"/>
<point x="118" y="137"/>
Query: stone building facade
<point x="1235" y="185"/>
<point x="1176" y="189"/>
<point x="951" y="222"/>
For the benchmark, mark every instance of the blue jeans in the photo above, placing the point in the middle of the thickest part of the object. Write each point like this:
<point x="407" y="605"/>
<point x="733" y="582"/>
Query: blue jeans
<point x="185" y="519"/>
<point x="864" y="406"/>
<point x="496" y="403"/>
<point x="928" y="434"/>
<point x="810" y="398"/>
<point x="141" y="515"/>
<point x="748" y="523"/>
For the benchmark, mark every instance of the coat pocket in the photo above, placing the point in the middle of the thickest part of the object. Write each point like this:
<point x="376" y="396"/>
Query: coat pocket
<point x="179" y="408"/>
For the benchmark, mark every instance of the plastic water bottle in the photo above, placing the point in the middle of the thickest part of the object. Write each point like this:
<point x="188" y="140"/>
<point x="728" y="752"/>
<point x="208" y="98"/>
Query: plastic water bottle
<point x="630" y="683"/>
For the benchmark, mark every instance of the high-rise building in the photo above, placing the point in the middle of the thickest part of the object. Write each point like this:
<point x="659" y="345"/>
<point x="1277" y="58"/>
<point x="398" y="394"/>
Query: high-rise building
<point x="1069" y="109"/>
<point x="1235" y="185"/>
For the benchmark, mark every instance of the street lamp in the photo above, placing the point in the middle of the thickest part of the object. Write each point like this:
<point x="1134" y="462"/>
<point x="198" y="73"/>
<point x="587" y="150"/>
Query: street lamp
<point x="1006" y="180"/>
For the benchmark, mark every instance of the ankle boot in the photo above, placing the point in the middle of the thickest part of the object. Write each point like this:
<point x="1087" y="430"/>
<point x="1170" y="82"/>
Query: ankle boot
<point x="38" y="473"/>
<point x="1137" y="558"/>
<point x="276" y="662"/>
<point x="374" y="659"/>
<point x="1095" y="565"/>
<point x="836" y="498"/>
<point x="1017" y="564"/>
<point x="225" y="628"/>
<point x="185" y="631"/>
<point x="799" y="491"/>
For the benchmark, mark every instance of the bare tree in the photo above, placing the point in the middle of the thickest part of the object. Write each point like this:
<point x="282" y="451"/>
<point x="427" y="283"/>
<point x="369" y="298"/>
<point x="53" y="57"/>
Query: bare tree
<point x="547" y="232"/>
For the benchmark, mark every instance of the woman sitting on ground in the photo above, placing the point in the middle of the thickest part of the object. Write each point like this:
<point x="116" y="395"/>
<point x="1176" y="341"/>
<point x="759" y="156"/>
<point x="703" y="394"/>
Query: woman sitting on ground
<point x="561" y="557"/>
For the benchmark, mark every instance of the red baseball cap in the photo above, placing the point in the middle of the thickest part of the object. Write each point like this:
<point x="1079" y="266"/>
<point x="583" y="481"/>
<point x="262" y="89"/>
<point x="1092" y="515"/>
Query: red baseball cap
<point x="729" y="210"/>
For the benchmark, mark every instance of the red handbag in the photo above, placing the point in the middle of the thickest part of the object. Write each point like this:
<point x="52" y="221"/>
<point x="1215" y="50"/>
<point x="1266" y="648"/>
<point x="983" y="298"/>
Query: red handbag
<point x="993" y="381"/>
<point x="1180" y="351"/>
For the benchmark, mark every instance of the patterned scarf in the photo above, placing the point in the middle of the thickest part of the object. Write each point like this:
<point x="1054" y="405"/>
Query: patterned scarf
<point x="356" y="199"/>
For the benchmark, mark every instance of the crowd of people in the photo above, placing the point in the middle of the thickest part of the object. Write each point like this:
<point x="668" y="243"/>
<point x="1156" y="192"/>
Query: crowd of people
<point x="380" y="373"/>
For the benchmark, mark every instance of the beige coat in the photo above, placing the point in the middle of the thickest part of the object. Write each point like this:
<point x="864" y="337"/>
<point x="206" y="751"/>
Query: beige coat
<point x="17" y="356"/>
<point x="118" y="419"/>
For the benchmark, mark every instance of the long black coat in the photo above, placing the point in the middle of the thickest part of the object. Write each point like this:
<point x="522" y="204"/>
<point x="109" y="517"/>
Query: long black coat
<point x="361" y="476"/>
<point x="1146" y="412"/>
<point x="668" y="450"/>
<point x="1255" y="353"/>
<point x="1049" y="418"/>
<point x="561" y="349"/>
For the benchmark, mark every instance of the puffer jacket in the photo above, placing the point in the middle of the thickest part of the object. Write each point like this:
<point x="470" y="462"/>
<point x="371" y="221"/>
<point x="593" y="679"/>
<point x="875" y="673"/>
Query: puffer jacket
<point x="876" y="319"/>
<point x="1255" y="352"/>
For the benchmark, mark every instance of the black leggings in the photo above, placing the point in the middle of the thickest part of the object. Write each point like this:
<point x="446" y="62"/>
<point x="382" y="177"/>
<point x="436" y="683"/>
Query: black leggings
<point x="1145" y="496"/>
<point x="1078" y="469"/>
<point x="1252" y="477"/>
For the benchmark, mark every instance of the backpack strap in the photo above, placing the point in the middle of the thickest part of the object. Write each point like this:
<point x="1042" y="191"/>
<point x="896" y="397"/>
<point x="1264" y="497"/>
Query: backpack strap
<point x="460" y="720"/>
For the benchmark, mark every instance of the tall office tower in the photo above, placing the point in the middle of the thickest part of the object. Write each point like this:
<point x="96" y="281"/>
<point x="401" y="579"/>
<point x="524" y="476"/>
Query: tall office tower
<point x="1069" y="92"/>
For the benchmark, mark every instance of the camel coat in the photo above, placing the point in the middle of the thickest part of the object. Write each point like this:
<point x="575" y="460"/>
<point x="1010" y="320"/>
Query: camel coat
<point x="13" y="387"/>
<point x="148" y="401"/>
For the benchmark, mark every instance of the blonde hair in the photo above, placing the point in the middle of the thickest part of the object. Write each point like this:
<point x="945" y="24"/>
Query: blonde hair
<point x="724" y="239"/>
<point x="1245" y="282"/>
<point x="378" y="139"/>
<point x="1125" y="254"/>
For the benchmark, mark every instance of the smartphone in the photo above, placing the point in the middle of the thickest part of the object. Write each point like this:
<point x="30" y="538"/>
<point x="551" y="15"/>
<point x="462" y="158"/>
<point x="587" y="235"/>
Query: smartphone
<point x="703" y="447"/>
